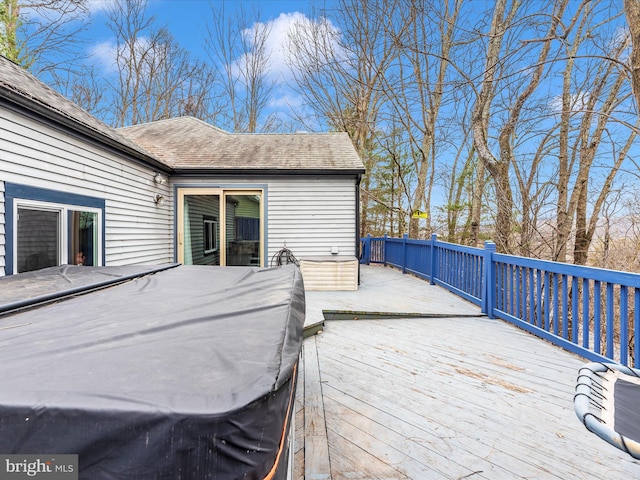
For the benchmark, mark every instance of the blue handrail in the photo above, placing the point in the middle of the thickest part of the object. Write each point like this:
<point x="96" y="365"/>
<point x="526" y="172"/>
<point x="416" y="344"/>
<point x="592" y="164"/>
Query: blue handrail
<point x="589" y="311"/>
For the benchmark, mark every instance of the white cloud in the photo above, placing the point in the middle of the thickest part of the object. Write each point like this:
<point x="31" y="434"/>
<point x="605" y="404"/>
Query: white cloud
<point x="577" y="103"/>
<point x="276" y="45"/>
<point x="278" y="38"/>
<point x="286" y="100"/>
<point x="104" y="55"/>
<point x="98" y="6"/>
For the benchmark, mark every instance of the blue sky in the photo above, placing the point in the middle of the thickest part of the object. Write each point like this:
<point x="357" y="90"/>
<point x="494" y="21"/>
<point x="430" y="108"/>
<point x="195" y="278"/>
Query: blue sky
<point x="187" y="21"/>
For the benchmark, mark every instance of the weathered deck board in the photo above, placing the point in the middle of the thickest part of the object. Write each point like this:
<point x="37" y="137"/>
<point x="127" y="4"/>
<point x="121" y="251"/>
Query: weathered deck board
<point x="316" y="448"/>
<point x="393" y="392"/>
<point x="447" y="398"/>
<point x="298" y="444"/>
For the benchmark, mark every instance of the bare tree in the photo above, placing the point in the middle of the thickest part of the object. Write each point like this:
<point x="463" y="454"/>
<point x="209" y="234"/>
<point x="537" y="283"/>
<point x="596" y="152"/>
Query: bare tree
<point x="499" y="170"/>
<point x="588" y="213"/>
<point x="508" y="132"/>
<point x="632" y="12"/>
<point x="155" y="77"/>
<point x="475" y="208"/>
<point x="396" y="74"/>
<point x="89" y="91"/>
<point x="590" y="101"/>
<point x="41" y="35"/>
<point x="238" y="46"/>
<point x="563" y="217"/>
<point x="389" y="182"/>
<point x="339" y="71"/>
<point x="459" y="178"/>
<point x="426" y="33"/>
<point x="535" y="189"/>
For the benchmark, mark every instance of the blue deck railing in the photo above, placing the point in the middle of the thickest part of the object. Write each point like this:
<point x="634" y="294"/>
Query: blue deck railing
<point x="590" y="311"/>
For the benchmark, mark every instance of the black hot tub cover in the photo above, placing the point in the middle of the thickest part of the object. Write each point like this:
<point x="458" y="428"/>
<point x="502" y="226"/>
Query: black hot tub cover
<point x="188" y="372"/>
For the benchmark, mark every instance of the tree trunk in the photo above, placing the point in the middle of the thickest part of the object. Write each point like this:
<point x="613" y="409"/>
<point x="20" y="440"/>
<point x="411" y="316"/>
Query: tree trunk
<point x="476" y="205"/>
<point x="498" y="170"/>
<point x="632" y="12"/>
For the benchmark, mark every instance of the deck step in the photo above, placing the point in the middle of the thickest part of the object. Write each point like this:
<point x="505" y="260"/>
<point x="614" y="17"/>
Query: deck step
<point x="361" y="315"/>
<point x="313" y="328"/>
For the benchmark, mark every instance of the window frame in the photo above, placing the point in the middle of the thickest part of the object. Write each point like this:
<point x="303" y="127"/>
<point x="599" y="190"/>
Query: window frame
<point x="40" y="207"/>
<point x="211" y="230"/>
<point x="23" y="196"/>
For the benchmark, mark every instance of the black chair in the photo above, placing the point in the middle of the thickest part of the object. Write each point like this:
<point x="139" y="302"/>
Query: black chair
<point x="607" y="401"/>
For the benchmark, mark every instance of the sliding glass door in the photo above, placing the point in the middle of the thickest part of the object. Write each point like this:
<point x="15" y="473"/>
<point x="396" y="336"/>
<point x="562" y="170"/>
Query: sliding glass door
<point x="220" y="227"/>
<point x="201" y="230"/>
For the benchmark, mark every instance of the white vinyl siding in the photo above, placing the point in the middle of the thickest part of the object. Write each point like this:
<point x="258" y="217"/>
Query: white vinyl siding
<point x="230" y="225"/>
<point x="310" y="214"/>
<point x="137" y="231"/>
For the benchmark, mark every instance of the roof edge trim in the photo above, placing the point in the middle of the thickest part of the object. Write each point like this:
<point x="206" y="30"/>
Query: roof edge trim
<point x="14" y="100"/>
<point x="264" y="171"/>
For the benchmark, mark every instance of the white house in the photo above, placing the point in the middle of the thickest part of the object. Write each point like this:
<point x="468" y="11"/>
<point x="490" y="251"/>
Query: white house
<point x="74" y="190"/>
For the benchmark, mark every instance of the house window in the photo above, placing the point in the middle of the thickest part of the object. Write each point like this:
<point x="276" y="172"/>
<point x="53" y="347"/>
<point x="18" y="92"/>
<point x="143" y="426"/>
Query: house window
<point x="83" y="238"/>
<point x="49" y="228"/>
<point x="211" y="235"/>
<point x="49" y="235"/>
<point x="38" y="238"/>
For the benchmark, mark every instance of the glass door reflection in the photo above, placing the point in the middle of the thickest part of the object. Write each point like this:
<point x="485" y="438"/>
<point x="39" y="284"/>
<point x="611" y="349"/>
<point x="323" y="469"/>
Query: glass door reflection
<point x="201" y="234"/>
<point x="242" y="229"/>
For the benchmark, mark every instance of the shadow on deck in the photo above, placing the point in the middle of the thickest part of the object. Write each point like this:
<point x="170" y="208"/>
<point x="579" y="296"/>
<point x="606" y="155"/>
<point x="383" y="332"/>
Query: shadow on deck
<point x="439" y="397"/>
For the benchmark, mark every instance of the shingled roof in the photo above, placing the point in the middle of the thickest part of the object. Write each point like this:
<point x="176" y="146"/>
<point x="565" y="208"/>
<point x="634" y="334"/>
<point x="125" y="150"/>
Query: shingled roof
<point x="186" y="144"/>
<point x="190" y="144"/>
<point x="19" y="87"/>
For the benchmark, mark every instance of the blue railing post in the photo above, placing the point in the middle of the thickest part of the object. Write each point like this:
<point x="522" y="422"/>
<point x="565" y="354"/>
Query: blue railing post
<point x="434" y="258"/>
<point x="489" y="287"/>
<point x="384" y="248"/>
<point x="366" y="250"/>
<point x="404" y="252"/>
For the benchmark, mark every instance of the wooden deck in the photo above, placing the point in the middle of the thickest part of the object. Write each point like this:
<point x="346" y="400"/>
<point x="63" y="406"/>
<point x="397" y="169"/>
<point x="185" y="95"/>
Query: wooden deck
<point x="438" y="397"/>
